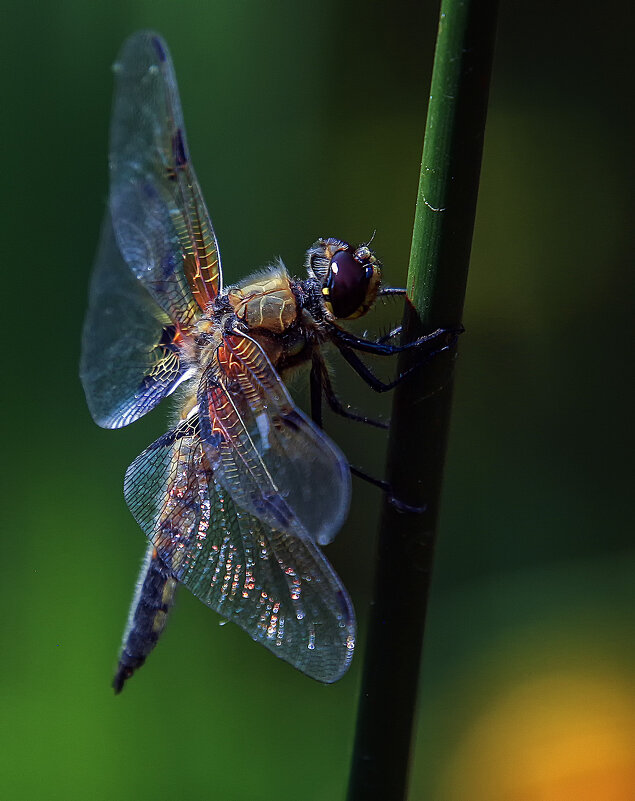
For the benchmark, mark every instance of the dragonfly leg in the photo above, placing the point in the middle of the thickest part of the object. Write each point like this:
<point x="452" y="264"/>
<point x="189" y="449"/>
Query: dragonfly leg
<point x="386" y="487"/>
<point x="371" y="379"/>
<point x="321" y="386"/>
<point x="394" y="332"/>
<point x="380" y="347"/>
<point x="315" y="387"/>
<point x="391" y="291"/>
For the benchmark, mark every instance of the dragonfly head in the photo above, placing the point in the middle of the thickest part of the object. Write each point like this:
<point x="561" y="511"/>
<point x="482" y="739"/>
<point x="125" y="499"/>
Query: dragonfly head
<point x="350" y="277"/>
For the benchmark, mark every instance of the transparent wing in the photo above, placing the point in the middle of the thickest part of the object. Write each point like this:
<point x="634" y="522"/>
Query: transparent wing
<point x="279" y="588"/>
<point x="268" y="455"/>
<point x="129" y="359"/>
<point x="159" y="216"/>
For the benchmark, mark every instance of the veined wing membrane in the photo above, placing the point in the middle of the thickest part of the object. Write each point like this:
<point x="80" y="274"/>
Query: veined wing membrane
<point x="129" y="361"/>
<point x="159" y="216"/>
<point x="280" y="589"/>
<point x="274" y="462"/>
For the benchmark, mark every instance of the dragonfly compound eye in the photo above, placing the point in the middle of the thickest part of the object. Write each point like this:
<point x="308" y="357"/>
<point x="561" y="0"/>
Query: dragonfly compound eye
<point x="351" y="283"/>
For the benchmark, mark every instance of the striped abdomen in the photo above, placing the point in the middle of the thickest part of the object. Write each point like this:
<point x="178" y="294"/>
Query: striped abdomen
<point x="148" y="614"/>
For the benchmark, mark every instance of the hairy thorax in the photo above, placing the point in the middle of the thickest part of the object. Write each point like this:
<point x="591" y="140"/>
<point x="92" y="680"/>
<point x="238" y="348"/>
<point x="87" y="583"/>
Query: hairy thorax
<point x="265" y="301"/>
<point x="269" y="307"/>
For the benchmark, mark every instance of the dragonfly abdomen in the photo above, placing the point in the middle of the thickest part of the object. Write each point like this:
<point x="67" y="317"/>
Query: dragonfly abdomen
<point x="151" y="604"/>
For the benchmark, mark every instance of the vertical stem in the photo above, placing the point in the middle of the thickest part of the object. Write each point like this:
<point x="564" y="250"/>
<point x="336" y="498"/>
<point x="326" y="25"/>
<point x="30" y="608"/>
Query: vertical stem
<point x="444" y="221"/>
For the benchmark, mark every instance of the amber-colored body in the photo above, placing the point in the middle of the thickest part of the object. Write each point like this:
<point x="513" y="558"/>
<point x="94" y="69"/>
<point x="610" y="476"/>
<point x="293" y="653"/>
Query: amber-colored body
<point x="265" y="301"/>
<point x="273" y="309"/>
<point x="238" y="496"/>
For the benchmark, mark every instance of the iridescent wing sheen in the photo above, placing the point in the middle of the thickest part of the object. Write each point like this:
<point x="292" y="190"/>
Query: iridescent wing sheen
<point x="158" y="212"/>
<point x="129" y="359"/>
<point x="277" y="587"/>
<point x="274" y="462"/>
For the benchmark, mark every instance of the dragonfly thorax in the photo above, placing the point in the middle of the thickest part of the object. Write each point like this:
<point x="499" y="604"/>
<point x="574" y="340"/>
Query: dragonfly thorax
<point x="265" y="301"/>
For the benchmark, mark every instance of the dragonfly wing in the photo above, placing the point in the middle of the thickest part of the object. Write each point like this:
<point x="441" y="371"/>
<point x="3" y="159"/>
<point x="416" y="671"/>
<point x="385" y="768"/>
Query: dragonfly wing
<point x="159" y="215"/>
<point x="279" y="588"/>
<point x="129" y="361"/>
<point x="274" y="461"/>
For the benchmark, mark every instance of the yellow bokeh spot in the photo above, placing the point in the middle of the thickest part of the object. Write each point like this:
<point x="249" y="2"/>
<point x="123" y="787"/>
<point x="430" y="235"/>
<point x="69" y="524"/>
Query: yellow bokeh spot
<point x="559" y="737"/>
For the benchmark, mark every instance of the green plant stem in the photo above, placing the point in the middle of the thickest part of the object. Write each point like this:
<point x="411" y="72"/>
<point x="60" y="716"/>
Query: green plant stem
<point x="444" y="221"/>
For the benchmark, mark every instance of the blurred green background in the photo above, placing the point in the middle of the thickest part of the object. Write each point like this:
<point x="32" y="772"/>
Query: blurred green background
<point x="306" y="119"/>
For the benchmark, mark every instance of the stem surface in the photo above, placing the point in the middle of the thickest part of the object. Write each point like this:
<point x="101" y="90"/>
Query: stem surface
<point x="442" y="237"/>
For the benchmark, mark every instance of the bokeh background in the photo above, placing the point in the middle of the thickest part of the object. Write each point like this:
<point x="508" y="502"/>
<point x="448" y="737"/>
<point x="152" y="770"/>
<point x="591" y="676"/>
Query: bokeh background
<point x="306" y="119"/>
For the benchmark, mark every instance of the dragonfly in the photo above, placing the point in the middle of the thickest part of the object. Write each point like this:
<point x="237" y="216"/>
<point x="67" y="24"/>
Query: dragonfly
<point x="238" y="497"/>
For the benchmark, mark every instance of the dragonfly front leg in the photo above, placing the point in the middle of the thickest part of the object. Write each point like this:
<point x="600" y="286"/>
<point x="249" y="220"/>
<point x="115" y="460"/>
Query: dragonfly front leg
<point x="447" y="337"/>
<point x="371" y="379"/>
<point x="394" y="332"/>
<point x="348" y="345"/>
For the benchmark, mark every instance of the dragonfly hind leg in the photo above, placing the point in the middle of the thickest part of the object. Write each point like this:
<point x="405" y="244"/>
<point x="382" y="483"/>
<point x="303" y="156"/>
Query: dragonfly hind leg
<point x="388" y="491"/>
<point x="150" y="607"/>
